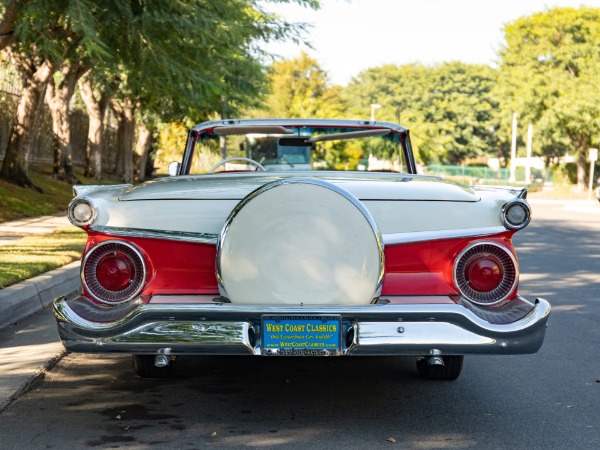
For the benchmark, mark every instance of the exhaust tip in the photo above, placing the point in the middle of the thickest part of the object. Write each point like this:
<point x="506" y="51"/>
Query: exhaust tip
<point x="350" y="336"/>
<point x="435" y="361"/>
<point x="161" y="361"/>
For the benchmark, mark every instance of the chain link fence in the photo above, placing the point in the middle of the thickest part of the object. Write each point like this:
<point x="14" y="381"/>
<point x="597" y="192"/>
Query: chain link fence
<point x="479" y="175"/>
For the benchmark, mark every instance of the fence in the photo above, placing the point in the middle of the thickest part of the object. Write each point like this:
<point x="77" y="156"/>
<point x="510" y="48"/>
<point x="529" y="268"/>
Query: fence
<point x="476" y="175"/>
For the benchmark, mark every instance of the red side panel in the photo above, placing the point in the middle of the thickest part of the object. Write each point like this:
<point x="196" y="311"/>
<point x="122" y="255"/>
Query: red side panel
<point x="417" y="269"/>
<point x="173" y="267"/>
<point x="425" y="268"/>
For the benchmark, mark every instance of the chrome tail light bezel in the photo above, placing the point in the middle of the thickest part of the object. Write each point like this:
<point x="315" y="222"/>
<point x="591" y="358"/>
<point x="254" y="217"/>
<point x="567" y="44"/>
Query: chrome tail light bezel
<point x="71" y="211"/>
<point x="516" y="203"/>
<point x="510" y="275"/>
<point x="90" y="281"/>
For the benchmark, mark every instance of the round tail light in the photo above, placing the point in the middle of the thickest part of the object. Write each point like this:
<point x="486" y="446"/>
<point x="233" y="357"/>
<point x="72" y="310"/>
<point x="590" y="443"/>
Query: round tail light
<point x="113" y="272"/>
<point x="485" y="273"/>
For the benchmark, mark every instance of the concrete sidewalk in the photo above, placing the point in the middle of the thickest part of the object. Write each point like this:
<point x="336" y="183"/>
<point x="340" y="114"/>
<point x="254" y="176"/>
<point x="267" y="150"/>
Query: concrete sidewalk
<point x="29" y="342"/>
<point x="26" y="298"/>
<point x="16" y="229"/>
<point x="23" y="299"/>
<point x="27" y="351"/>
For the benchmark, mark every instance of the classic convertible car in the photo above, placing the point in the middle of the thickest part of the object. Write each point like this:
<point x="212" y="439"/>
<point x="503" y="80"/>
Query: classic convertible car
<point x="251" y="261"/>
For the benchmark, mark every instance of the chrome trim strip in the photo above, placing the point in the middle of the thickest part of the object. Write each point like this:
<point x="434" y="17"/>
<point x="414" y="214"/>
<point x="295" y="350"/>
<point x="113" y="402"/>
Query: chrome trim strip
<point x="350" y="135"/>
<point x="312" y="181"/>
<point x="387" y="239"/>
<point x="137" y="253"/>
<point x="186" y="332"/>
<point x="185" y="236"/>
<point x="421" y="236"/>
<point x="298" y="123"/>
<point x="426" y="312"/>
<point x="82" y="190"/>
<point x="230" y="329"/>
<point x="416" y="333"/>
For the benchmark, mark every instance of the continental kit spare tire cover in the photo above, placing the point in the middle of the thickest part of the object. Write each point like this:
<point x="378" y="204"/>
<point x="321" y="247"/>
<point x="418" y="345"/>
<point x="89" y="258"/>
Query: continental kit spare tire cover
<point x="300" y="241"/>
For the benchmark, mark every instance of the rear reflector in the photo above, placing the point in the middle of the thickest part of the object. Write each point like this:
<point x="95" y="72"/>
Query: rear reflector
<point x="485" y="273"/>
<point x="114" y="272"/>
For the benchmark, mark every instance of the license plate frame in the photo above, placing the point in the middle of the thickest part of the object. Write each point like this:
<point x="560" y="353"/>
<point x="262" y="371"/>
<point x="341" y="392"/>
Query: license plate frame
<point x="301" y="335"/>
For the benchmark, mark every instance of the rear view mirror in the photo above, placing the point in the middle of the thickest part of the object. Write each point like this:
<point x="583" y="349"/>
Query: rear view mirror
<point x="295" y="141"/>
<point x="174" y="168"/>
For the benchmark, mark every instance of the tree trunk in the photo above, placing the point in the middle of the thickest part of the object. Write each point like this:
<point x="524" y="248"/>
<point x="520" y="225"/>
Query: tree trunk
<point x="581" y="144"/>
<point x="124" y="112"/>
<point x="96" y="110"/>
<point x="142" y="150"/>
<point x="582" y="165"/>
<point x="14" y="167"/>
<point x="58" y="98"/>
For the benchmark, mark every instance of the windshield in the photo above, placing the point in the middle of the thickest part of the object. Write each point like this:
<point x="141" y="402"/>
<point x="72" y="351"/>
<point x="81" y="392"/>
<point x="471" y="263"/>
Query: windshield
<point x="301" y="149"/>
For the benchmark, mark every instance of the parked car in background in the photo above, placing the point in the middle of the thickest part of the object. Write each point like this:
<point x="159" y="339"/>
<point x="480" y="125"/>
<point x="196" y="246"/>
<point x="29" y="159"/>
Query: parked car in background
<point x="300" y="262"/>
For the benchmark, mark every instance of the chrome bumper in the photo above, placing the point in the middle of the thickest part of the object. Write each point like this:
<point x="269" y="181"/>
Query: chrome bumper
<point x="226" y="329"/>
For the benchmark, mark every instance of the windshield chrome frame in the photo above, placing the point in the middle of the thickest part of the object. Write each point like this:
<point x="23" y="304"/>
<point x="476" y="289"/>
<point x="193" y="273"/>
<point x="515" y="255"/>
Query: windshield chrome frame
<point x="195" y="132"/>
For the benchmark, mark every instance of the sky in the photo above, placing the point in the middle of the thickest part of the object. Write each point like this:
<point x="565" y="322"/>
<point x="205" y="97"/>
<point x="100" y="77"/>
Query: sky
<point x="349" y="36"/>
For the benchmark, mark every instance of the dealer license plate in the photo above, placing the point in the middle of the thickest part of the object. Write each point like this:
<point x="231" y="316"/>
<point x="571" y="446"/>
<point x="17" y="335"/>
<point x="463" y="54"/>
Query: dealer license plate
<point x="301" y="335"/>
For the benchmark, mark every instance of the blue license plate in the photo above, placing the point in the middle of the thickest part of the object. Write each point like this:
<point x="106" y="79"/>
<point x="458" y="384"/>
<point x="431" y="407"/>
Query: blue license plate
<point x="301" y="335"/>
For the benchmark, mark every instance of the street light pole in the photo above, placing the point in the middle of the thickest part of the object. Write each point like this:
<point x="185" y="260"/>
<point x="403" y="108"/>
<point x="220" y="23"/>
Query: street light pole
<point x="528" y="160"/>
<point x="513" y="150"/>
<point x="593" y="156"/>
<point x="374" y="106"/>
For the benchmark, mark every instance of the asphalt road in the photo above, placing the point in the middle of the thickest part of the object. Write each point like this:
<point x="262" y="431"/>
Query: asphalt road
<point x="550" y="400"/>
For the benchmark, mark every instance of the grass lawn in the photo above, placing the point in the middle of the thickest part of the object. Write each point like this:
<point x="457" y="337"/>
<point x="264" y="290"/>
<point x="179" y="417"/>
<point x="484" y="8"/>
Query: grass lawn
<point x="17" y="202"/>
<point x="34" y="255"/>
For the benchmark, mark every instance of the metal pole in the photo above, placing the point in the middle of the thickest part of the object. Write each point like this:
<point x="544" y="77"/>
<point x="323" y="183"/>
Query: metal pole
<point x="374" y="106"/>
<point x="513" y="149"/>
<point x="593" y="156"/>
<point x="591" y="180"/>
<point x="528" y="161"/>
<point x="222" y="139"/>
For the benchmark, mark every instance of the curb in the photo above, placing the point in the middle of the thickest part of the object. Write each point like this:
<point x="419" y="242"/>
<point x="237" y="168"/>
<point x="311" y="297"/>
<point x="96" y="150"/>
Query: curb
<point x="24" y="299"/>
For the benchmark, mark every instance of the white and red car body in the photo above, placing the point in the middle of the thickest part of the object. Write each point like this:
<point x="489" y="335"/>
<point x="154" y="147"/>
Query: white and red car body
<point x="406" y="264"/>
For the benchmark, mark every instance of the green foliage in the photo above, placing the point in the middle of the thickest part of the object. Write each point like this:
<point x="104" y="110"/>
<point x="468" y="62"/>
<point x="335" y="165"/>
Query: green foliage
<point x="450" y="108"/>
<point x="299" y="88"/>
<point x="550" y="74"/>
<point x="196" y="57"/>
<point x="171" y="144"/>
<point x="176" y="58"/>
<point x="18" y="202"/>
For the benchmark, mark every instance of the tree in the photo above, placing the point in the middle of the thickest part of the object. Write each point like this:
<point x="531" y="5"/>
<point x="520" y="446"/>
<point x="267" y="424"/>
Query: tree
<point x="35" y="79"/>
<point x="198" y="57"/>
<point x="96" y="103"/>
<point x="449" y="108"/>
<point x="59" y="92"/>
<point x="174" y="58"/>
<point x="550" y="67"/>
<point x="299" y="88"/>
<point x="46" y="35"/>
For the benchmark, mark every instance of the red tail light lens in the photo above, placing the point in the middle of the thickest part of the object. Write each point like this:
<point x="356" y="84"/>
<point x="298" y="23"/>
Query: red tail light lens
<point x="485" y="273"/>
<point x="114" y="272"/>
